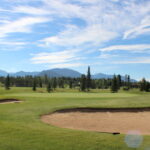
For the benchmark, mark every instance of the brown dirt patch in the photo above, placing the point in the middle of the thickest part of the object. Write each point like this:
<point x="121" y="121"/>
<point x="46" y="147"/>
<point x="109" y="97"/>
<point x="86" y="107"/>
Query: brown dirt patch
<point x="6" y="101"/>
<point x="102" y="120"/>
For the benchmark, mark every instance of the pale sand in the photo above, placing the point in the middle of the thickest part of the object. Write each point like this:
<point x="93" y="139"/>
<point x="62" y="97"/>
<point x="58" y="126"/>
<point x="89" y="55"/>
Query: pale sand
<point x="121" y="122"/>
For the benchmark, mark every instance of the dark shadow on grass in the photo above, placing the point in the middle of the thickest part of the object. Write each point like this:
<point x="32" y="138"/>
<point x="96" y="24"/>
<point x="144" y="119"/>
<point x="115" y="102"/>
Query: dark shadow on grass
<point x="3" y="101"/>
<point x="88" y="109"/>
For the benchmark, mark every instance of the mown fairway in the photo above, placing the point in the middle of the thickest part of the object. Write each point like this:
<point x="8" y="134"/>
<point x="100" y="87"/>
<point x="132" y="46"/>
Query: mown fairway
<point x="22" y="129"/>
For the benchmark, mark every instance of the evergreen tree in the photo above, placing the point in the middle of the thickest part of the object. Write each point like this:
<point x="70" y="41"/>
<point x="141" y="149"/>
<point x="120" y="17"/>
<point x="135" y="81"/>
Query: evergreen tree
<point x="70" y="84"/>
<point x="144" y="85"/>
<point x="114" y="85"/>
<point x="61" y="83"/>
<point x="40" y="82"/>
<point x="88" y="84"/>
<point x="49" y="87"/>
<point x="128" y="82"/>
<point x="46" y="79"/>
<point x="7" y="83"/>
<point x="147" y="88"/>
<point x="54" y="83"/>
<point x="83" y="83"/>
<point x="119" y="81"/>
<point x="34" y="84"/>
<point x="93" y="84"/>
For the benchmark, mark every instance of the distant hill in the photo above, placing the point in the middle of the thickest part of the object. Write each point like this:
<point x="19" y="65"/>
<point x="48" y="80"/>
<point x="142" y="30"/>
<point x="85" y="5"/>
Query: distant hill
<point x="50" y="73"/>
<point x="3" y="73"/>
<point x="61" y="73"/>
<point x="102" y="76"/>
<point x="22" y="74"/>
<point x="106" y="76"/>
<point x="57" y="72"/>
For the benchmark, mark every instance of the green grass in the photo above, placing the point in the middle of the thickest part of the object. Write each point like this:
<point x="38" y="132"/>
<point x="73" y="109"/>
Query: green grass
<point x="22" y="129"/>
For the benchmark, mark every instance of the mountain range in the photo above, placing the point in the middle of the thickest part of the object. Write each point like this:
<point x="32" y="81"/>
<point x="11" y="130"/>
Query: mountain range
<point x="57" y="72"/>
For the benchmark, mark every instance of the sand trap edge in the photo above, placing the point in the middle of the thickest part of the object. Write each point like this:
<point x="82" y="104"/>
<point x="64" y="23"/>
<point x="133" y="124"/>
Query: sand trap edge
<point x="9" y="100"/>
<point x="90" y="109"/>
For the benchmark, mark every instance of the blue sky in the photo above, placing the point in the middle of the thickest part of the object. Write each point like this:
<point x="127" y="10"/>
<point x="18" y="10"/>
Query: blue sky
<point x="111" y="36"/>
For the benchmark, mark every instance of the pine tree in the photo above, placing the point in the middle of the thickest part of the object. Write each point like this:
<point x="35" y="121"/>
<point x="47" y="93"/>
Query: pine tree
<point x="54" y="83"/>
<point x="40" y="82"/>
<point x="142" y="84"/>
<point x="93" y="84"/>
<point x="46" y="79"/>
<point x="119" y="81"/>
<point x="114" y="85"/>
<point x="70" y="84"/>
<point x="83" y="83"/>
<point x="88" y="84"/>
<point x="61" y="83"/>
<point x="128" y="82"/>
<point x="49" y="87"/>
<point x="147" y="87"/>
<point x="34" y="84"/>
<point x="7" y="83"/>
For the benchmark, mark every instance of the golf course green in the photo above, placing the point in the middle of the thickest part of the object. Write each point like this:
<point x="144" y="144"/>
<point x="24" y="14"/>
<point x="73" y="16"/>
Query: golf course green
<point x="22" y="129"/>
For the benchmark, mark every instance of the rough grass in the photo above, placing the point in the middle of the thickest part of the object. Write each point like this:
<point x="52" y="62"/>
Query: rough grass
<point x="22" y="129"/>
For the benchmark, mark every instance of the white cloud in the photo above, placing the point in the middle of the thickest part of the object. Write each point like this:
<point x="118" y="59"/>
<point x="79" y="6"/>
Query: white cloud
<point x="3" y="10"/>
<point x="12" y="45"/>
<point x="74" y="36"/>
<point x="31" y="10"/>
<point x="105" y="20"/>
<point x="3" y="21"/>
<point x="63" y="8"/>
<point x="55" y="57"/>
<point x="67" y="65"/>
<point x="143" y="28"/>
<point x="107" y="56"/>
<point x="21" y="1"/>
<point x="140" y="60"/>
<point x="20" y="25"/>
<point x="137" y="47"/>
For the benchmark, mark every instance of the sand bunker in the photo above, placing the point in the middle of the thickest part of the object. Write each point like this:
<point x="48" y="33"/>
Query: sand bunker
<point x="5" y="101"/>
<point x="102" y="120"/>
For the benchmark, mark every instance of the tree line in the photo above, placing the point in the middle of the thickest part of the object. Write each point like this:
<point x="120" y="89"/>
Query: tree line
<point x="84" y="83"/>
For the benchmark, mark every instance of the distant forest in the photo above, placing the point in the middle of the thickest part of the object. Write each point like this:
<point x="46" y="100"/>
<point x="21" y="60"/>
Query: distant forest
<point x="83" y="83"/>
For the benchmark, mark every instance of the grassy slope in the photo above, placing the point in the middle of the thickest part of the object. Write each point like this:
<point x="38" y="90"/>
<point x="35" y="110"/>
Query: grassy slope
<point x="21" y="128"/>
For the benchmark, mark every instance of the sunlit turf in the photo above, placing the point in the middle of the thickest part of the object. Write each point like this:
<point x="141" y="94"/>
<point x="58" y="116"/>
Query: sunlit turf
<point x="22" y="129"/>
